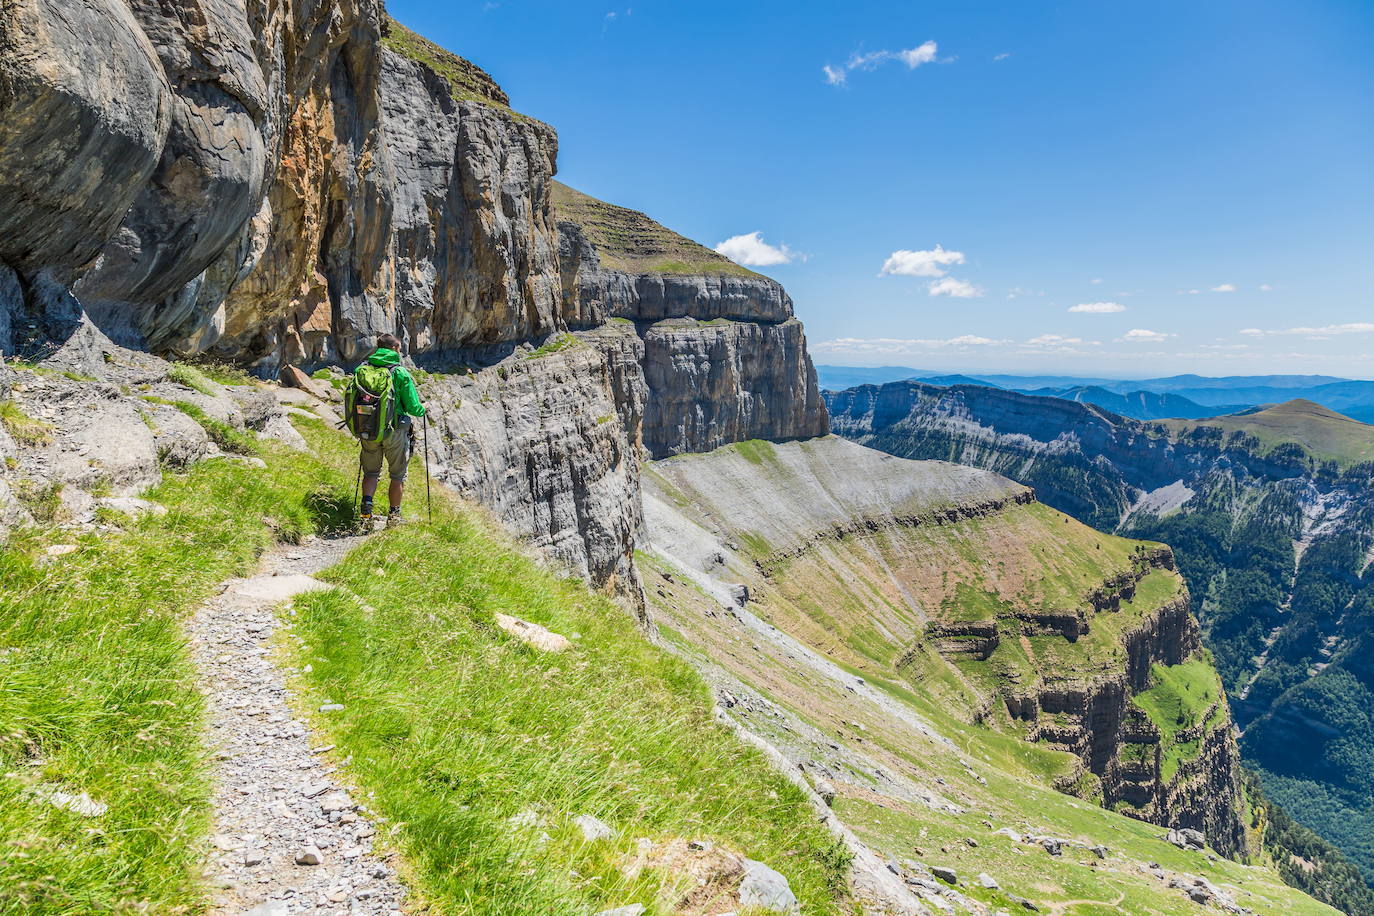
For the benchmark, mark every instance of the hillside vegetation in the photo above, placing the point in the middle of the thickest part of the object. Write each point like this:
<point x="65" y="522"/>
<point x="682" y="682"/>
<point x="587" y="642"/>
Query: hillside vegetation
<point x="629" y="241"/>
<point x="1272" y="538"/>
<point x="852" y="652"/>
<point x="482" y="750"/>
<point x="1322" y="433"/>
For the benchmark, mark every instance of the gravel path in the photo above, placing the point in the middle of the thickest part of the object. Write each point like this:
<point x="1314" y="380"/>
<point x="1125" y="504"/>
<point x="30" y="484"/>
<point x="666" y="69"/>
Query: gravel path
<point x="287" y="836"/>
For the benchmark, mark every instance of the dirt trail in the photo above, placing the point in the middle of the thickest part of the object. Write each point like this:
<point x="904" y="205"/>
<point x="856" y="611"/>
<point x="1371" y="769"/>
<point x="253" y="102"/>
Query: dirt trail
<point x="278" y="803"/>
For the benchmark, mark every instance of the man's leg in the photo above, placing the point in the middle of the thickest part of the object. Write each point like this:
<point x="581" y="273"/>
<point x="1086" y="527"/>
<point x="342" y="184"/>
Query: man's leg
<point x="372" y="472"/>
<point x="398" y="461"/>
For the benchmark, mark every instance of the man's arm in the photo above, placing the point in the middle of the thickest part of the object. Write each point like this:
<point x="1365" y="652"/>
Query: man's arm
<point x="407" y="395"/>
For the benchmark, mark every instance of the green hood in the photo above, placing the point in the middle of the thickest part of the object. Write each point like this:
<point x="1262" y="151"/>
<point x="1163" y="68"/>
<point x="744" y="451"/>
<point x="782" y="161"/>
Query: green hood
<point x="384" y="357"/>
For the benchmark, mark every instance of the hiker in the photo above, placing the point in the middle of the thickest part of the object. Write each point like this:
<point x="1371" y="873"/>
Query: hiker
<point x="380" y="406"/>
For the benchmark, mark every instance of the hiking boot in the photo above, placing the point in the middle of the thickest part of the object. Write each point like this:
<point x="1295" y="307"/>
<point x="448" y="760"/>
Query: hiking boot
<point x="365" y="516"/>
<point x="393" y="518"/>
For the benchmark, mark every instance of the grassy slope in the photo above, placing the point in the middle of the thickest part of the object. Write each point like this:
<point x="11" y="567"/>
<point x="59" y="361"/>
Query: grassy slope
<point x="467" y="81"/>
<point x="1180" y="697"/>
<point x="854" y="600"/>
<point x="1328" y="435"/>
<point x="457" y="727"/>
<point x="629" y="241"/>
<point x="97" y="692"/>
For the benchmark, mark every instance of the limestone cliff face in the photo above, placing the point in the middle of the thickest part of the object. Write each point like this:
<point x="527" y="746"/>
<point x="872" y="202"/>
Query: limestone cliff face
<point x="724" y="359"/>
<point x="276" y="183"/>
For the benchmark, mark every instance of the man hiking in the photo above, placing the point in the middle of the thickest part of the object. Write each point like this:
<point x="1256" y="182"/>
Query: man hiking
<point x="381" y="404"/>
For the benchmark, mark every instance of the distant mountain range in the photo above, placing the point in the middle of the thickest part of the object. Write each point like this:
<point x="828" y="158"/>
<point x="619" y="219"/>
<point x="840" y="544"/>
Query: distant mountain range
<point x="1270" y="513"/>
<point x="1188" y="397"/>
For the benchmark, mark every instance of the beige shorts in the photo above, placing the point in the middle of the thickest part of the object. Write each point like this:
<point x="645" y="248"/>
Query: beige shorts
<point x="395" y="448"/>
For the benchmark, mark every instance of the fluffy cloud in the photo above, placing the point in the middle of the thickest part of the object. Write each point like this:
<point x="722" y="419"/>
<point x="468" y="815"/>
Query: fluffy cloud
<point x="1057" y="340"/>
<point x="1224" y="288"/>
<point x="1097" y="308"/>
<point x="1265" y="287"/>
<point x="1003" y="56"/>
<point x="752" y="251"/>
<point x="959" y="289"/>
<point x="923" y="53"/>
<point x="897" y="345"/>
<point x="1140" y="335"/>
<point x="1326" y="330"/>
<point x="932" y="263"/>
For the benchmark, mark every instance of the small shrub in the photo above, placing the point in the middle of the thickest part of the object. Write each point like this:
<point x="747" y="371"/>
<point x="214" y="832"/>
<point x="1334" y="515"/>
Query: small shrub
<point x="43" y="499"/>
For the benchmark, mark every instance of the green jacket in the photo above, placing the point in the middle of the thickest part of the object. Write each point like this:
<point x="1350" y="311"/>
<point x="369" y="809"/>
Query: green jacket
<point x="407" y="398"/>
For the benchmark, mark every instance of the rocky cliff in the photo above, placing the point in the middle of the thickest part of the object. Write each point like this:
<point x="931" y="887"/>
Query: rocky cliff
<point x="272" y="184"/>
<point x="956" y="585"/>
<point x="1272" y="520"/>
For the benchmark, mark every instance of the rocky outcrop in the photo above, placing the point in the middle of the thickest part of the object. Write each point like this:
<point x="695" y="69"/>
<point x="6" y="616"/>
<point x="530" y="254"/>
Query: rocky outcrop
<point x="542" y="440"/>
<point x="275" y="184"/>
<point x="1096" y="720"/>
<point x="724" y="360"/>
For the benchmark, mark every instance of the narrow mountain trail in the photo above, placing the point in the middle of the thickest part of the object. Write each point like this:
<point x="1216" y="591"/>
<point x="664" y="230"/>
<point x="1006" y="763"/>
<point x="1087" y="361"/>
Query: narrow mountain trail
<point x="287" y="836"/>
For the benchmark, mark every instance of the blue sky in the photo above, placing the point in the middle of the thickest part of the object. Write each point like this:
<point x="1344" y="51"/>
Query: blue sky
<point x="1196" y="175"/>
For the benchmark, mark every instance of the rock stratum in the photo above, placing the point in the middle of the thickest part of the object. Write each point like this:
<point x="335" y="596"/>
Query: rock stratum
<point x="1272" y="517"/>
<point x="957" y="584"/>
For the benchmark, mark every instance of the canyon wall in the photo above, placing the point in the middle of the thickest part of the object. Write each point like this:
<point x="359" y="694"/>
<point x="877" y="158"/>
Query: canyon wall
<point x="271" y="183"/>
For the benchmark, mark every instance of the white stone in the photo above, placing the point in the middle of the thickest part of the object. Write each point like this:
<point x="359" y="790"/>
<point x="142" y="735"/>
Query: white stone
<point x="532" y="634"/>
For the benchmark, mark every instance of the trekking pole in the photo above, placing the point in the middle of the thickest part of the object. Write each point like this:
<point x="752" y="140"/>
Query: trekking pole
<point x="429" y="507"/>
<point x="358" y="488"/>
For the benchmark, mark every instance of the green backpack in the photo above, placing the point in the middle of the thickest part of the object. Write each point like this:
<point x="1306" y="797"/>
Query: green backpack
<point x="370" y="402"/>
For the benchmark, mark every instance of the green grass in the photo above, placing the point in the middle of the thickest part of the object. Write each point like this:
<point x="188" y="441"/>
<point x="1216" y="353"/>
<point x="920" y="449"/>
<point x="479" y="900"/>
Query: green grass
<point x="25" y="429"/>
<point x="1323" y="433"/>
<point x="456" y="727"/>
<point x="554" y="344"/>
<point x="466" y="80"/>
<point x="1180" y="697"/>
<point x="223" y="373"/>
<point x="96" y="685"/>
<point x="630" y="241"/>
<point x="192" y="377"/>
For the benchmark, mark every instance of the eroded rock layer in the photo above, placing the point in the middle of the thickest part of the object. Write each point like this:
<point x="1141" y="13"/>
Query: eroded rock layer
<point x="274" y="183"/>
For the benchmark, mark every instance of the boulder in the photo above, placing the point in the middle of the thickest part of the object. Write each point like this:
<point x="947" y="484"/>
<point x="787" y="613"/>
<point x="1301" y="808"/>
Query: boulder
<point x="766" y="888"/>
<point x="293" y="377"/>
<point x="948" y="875"/>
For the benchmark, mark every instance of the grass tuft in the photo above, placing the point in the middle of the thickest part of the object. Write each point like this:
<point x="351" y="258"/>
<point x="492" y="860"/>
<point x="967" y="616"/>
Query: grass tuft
<point x="25" y="429"/>
<point x="193" y="378"/>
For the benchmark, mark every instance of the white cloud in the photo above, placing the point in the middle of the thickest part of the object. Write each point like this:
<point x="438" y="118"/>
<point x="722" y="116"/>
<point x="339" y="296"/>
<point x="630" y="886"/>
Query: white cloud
<point x="1324" y="331"/>
<point x="924" y="53"/>
<point x="1057" y="340"/>
<point x="1097" y="308"/>
<point x="932" y="263"/>
<point x="1140" y="335"/>
<point x="1095" y="281"/>
<point x="752" y="251"/>
<point x="1003" y="56"/>
<point x="1265" y="287"/>
<point x="892" y="345"/>
<point x="959" y="289"/>
<point x="1224" y="288"/>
